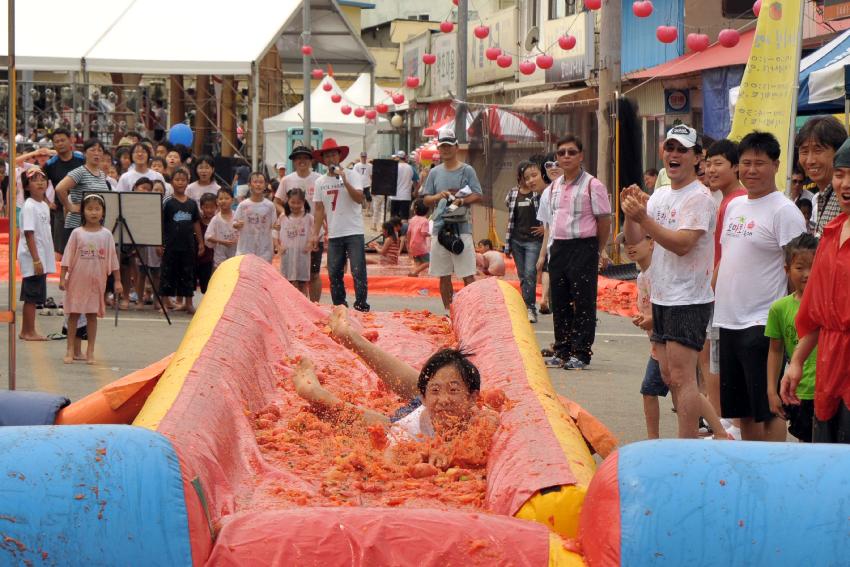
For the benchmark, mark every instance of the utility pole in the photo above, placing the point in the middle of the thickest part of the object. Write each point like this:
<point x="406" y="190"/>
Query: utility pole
<point x="609" y="85"/>
<point x="462" y="38"/>
<point x="305" y="40"/>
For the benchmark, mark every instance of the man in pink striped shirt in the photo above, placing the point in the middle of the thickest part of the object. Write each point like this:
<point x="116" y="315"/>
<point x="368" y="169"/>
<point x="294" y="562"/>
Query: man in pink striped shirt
<point x="576" y="214"/>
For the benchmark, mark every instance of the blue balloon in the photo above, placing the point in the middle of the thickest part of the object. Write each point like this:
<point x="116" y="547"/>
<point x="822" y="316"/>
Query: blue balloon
<point x="181" y="134"/>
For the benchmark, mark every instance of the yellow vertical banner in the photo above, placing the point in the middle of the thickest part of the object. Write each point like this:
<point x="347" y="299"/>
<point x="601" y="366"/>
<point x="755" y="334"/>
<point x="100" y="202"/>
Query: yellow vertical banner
<point x="768" y="92"/>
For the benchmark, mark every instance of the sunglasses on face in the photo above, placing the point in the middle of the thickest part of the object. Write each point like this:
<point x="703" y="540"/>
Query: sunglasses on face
<point x="572" y="152"/>
<point x="675" y="148"/>
<point x="550" y="165"/>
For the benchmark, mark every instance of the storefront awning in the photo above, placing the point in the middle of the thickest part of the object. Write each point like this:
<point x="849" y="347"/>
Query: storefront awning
<point x="712" y="58"/>
<point x="540" y="102"/>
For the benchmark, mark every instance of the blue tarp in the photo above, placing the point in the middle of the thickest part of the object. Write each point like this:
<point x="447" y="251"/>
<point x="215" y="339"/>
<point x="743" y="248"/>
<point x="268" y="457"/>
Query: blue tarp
<point x="830" y="54"/>
<point x="91" y="495"/>
<point x="716" y="117"/>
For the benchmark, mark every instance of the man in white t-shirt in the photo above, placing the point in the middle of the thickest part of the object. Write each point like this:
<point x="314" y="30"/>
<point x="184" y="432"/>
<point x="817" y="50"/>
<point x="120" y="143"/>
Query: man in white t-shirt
<point x="304" y="178"/>
<point x="405" y="185"/>
<point x="681" y="219"/>
<point x="339" y="198"/>
<point x="751" y="276"/>
<point x="364" y="170"/>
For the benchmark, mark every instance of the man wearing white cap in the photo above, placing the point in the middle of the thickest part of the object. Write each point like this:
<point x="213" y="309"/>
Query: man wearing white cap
<point x="452" y="248"/>
<point x="681" y="219"/>
<point x="280" y="167"/>
<point x="405" y="185"/>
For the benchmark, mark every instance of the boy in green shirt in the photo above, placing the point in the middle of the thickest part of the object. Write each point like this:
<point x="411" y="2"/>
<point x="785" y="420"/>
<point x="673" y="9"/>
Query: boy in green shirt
<point x="799" y="255"/>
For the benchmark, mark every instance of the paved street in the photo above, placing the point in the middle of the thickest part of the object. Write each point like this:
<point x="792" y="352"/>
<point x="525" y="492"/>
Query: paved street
<point x="609" y="390"/>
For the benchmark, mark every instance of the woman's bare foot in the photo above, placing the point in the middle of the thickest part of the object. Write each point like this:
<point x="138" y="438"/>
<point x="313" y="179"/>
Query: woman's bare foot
<point x="32" y="337"/>
<point x="68" y="358"/>
<point x="340" y="324"/>
<point x="124" y="305"/>
<point x="79" y="357"/>
<point x="308" y="387"/>
<point x="90" y="359"/>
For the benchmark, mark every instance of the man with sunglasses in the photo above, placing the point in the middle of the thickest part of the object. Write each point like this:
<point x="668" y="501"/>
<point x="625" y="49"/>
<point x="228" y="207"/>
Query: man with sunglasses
<point x="681" y="218"/>
<point x="576" y="214"/>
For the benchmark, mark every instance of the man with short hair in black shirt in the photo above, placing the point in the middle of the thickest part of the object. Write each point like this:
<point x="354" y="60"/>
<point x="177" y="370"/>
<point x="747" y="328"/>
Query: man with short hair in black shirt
<point x="56" y="168"/>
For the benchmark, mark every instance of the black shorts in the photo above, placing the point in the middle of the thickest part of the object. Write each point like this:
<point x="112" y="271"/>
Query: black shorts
<point x="801" y="420"/>
<point x="203" y="273"/>
<point x="34" y="289"/>
<point x="834" y="430"/>
<point x="653" y="384"/>
<point x="683" y="324"/>
<point x="126" y="254"/>
<point x="367" y="194"/>
<point x="743" y="373"/>
<point x="177" y="277"/>
<point x="400" y="209"/>
<point x="316" y="259"/>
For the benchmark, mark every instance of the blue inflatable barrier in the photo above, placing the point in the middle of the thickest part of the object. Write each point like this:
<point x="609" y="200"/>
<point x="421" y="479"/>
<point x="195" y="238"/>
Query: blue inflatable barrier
<point x="90" y="495"/>
<point x="19" y="407"/>
<point x="720" y="503"/>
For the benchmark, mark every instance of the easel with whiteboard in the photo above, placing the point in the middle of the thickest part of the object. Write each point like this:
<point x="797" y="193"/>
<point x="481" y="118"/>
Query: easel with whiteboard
<point x="136" y="219"/>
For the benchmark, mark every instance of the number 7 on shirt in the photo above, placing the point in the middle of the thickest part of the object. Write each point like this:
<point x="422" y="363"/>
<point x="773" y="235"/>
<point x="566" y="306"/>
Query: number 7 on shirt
<point x="334" y="193"/>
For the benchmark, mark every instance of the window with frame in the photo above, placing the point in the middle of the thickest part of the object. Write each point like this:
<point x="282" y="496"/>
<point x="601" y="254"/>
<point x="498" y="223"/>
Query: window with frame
<point x="562" y="8"/>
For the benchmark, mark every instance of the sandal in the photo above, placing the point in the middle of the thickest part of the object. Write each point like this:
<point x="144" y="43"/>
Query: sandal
<point x="57" y="336"/>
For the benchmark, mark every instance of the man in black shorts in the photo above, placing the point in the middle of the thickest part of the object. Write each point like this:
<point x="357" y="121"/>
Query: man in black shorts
<point x="681" y="220"/>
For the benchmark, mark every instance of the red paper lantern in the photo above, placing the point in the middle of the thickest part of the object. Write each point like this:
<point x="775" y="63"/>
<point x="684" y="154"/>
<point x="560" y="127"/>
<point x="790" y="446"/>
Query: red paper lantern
<point x="492" y="53"/>
<point x="481" y="31"/>
<point x="398" y="98"/>
<point x="642" y="9"/>
<point x="382" y="108"/>
<point x="336" y="97"/>
<point x="527" y="67"/>
<point x="317" y="74"/>
<point x="728" y="37"/>
<point x="371" y="114"/>
<point x="429" y="58"/>
<point x="306" y="50"/>
<point x="430" y="132"/>
<point x="359" y="112"/>
<point x="345" y="109"/>
<point x="567" y="42"/>
<point x="697" y="41"/>
<point x="327" y="87"/>
<point x="455" y="2"/>
<point x="412" y="82"/>
<point x="666" y="34"/>
<point x="592" y="4"/>
<point x="446" y="26"/>
<point x="545" y="61"/>
<point x="504" y="61"/>
<point x="757" y="8"/>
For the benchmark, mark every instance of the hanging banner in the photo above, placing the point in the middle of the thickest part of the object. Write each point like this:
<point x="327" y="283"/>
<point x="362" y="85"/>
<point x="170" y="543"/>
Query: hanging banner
<point x="767" y="94"/>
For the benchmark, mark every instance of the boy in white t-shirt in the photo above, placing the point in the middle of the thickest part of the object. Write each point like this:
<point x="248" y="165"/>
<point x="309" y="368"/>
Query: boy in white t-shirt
<point x="750" y="277"/>
<point x="35" y="249"/>
<point x="681" y="220"/>
<point x="339" y="198"/>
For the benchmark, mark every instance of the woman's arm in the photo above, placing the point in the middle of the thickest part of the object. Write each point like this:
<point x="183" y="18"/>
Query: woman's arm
<point x="64" y="191"/>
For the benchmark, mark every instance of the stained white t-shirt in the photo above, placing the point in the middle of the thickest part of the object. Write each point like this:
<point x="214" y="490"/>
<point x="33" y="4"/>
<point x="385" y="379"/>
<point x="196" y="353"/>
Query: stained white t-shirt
<point x="293" y="180"/>
<point x="35" y="216"/>
<point x="345" y="216"/>
<point x="221" y="229"/>
<point x="364" y="170"/>
<point x="255" y="236"/>
<point x="683" y="280"/>
<point x="126" y="181"/>
<point x="751" y="274"/>
<point x="415" y="426"/>
<point x="196" y="190"/>
<point x="404" y="184"/>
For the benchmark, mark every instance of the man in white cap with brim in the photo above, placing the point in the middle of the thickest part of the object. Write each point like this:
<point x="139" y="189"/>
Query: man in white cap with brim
<point x="681" y="219"/>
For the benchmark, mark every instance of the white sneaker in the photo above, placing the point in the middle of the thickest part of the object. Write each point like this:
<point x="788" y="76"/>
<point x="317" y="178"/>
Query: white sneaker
<point x="734" y="432"/>
<point x="532" y="315"/>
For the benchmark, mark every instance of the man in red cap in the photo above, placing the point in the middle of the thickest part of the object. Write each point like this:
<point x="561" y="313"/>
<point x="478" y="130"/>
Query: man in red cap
<point x="339" y="197"/>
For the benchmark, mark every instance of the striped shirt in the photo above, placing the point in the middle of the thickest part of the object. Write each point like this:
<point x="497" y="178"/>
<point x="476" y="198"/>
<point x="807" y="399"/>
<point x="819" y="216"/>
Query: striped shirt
<point x="86" y="182"/>
<point x="571" y="209"/>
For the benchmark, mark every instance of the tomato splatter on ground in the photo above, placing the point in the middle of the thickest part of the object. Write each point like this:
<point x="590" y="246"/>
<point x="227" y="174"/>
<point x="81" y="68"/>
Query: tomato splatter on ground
<point x="338" y="460"/>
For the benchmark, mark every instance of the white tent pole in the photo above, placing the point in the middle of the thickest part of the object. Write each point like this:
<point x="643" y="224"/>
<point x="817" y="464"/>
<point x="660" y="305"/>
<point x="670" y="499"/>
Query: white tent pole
<point x="305" y="40"/>
<point x="255" y="115"/>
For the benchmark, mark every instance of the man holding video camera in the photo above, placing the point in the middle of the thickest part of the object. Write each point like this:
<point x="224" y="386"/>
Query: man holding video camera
<point x="452" y="186"/>
<point x="339" y="197"/>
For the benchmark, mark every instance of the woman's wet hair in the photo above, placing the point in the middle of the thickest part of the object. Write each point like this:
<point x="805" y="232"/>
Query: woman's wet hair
<point x="450" y="357"/>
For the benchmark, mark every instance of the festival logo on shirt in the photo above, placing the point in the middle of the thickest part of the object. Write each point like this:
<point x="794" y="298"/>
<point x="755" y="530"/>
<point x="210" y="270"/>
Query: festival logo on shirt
<point x="253" y="218"/>
<point x="91" y="252"/>
<point x="182" y="216"/>
<point x="666" y="217"/>
<point x="740" y="227"/>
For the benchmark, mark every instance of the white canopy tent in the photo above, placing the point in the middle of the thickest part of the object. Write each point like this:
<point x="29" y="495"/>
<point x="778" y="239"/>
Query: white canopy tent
<point x="347" y="130"/>
<point x="192" y="37"/>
